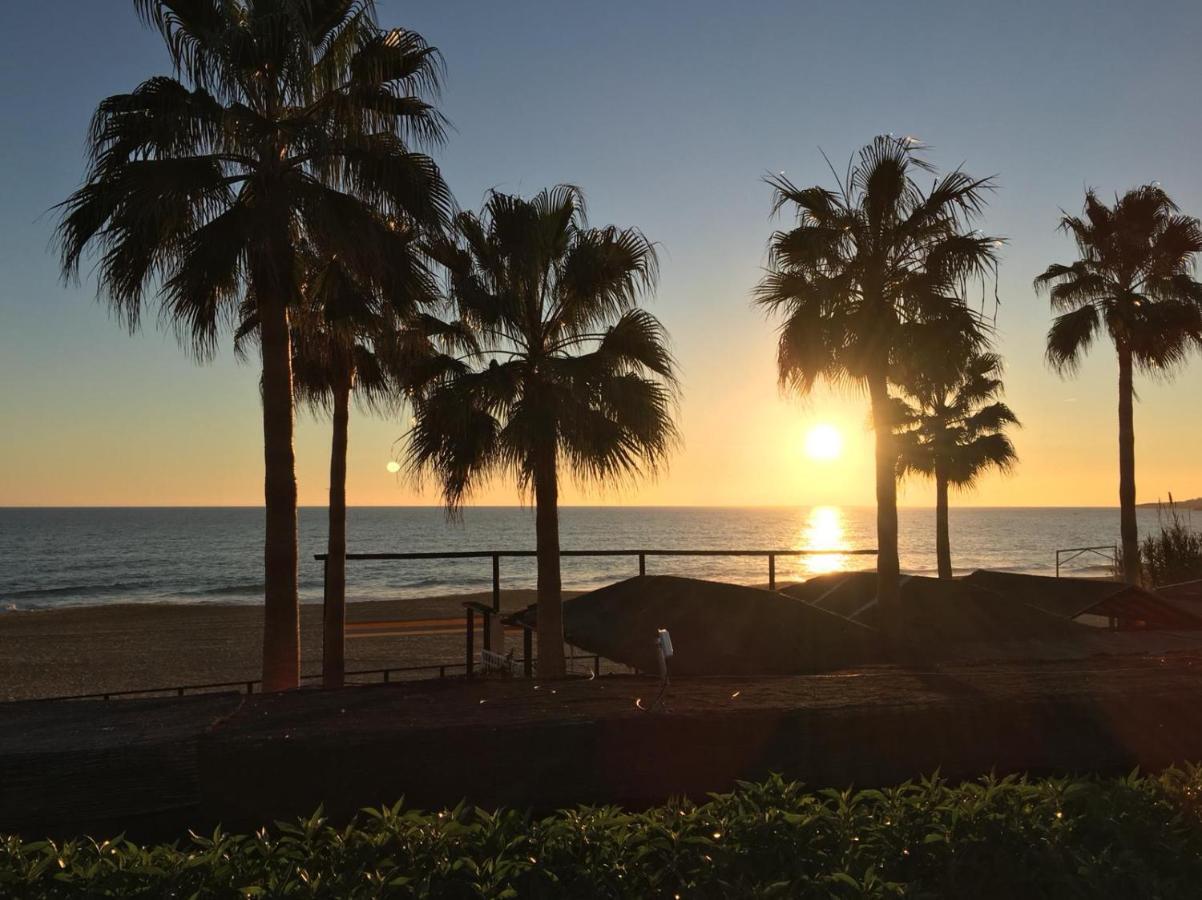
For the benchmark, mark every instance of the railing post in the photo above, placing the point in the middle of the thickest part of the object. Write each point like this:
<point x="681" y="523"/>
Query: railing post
<point x="386" y="676"/>
<point x="642" y="563"/>
<point x="597" y="664"/>
<point x="486" y="622"/>
<point x="527" y="652"/>
<point x="772" y="571"/>
<point x="496" y="582"/>
<point x="471" y="640"/>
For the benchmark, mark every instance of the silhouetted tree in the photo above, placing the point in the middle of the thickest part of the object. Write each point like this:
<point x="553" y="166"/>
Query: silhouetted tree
<point x="570" y="373"/>
<point x="1133" y="281"/>
<point x="351" y="337"/>
<point x="953" y="430"/>
<point x="862" y="263"/>
<point x="284" y="120"/>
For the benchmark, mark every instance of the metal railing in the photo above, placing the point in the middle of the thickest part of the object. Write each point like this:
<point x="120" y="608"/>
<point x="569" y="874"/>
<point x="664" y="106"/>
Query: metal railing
<point x="248" y="686"/>
<point x="1108" y="552"/>
<point x="641" y="555"/>
<point x="486" y="613"/>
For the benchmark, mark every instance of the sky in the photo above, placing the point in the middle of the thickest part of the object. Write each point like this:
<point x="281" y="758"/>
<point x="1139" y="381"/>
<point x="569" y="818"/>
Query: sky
<point x="668" y="115"/>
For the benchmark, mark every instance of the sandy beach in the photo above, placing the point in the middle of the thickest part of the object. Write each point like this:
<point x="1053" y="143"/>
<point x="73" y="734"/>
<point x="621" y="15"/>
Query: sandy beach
<point x="89" y="649"/>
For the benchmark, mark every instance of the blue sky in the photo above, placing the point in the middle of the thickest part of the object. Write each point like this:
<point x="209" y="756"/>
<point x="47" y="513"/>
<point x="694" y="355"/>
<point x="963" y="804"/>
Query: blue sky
<point x="668" y="115"/>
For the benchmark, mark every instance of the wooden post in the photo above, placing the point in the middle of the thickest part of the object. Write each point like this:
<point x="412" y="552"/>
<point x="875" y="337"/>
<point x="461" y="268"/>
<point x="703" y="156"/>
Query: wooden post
<point x="471" y="641"/>
<point x="496" y="582"/>
<point x="642" y="563"/>
<point x="772" y="571"/>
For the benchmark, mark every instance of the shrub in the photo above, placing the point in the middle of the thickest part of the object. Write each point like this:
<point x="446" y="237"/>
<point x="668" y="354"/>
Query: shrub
<point x="1007" y="837"/>
<point x="1175" y="554"/>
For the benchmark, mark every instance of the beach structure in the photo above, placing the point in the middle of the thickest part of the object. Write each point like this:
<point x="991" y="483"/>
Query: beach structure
<point x="1113" y="604"/>
<point x="940" y="618"/>
<point x="716" y="628"/>
<point x="1184" y="593"/>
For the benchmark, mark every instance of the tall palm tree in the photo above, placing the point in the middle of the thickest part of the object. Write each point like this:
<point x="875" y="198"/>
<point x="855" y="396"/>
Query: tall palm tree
<point x="1134" y="280"/>
<point x="348" y="339"/>
<point x="569" y="374"/>
<point x="953" y="430"/>
<point x="283" y="120"/>
<point x="862" y="263"/>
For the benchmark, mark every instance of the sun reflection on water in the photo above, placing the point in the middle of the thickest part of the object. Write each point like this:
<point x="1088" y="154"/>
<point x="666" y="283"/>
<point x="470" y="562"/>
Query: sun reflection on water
<point x="823" y="530"/>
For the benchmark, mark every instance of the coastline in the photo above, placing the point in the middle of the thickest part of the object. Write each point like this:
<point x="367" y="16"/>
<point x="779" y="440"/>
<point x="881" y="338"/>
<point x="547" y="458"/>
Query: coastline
<point x="134" y="646"/>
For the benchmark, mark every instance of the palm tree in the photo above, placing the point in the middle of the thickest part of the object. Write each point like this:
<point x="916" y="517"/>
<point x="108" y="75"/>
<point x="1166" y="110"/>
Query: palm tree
<point x="284" y="121"/>
<point x="1133" y="279"/>
<point x="569" y="374"/>
<point x="348" y="338"/>
<point x="954" y="430"/>
<point x="862" y="263"/>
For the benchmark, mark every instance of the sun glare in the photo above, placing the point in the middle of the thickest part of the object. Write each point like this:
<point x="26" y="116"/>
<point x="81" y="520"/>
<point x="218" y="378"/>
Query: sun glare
<point x="393" y="466"/>
<point x="823" y="443"/>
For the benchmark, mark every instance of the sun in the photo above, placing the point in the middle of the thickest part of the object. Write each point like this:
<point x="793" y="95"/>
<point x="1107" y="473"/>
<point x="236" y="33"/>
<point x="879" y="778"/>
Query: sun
<point x="823" y="443"/>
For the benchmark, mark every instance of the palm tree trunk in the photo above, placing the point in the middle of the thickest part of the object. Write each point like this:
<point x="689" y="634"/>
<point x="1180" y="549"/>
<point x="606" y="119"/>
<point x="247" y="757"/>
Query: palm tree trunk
<point x="281" y="616"/>
<point x="333" y="629"/>
<point x="550" y="600"/>
<point x="887" y="566"/>
<point x="943" y="545"/>
<point x="1127" y="525"/>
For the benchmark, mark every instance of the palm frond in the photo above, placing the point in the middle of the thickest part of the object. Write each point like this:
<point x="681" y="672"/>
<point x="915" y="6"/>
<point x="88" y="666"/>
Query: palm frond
<point x="1070" y="337"/>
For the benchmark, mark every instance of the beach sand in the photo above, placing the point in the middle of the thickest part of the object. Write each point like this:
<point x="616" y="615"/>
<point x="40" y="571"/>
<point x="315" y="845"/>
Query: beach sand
<point x="90" y="649"/>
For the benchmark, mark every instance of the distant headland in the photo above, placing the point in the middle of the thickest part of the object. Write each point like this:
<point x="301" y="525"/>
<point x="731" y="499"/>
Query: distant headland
<point x="1194" y="504"/>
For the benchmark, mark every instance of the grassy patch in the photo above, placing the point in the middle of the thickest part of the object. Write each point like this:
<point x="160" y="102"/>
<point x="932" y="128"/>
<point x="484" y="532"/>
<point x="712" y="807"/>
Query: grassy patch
<point x="1139" y="836"/>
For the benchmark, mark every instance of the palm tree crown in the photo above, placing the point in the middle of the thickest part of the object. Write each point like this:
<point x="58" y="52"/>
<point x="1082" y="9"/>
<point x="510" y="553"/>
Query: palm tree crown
<point x="286" y="123"/>
<point x="290" y="124"/>
<point x="567" y="371"/>
<point x="954" y="424"/>
<point x="861" y="264"/>
<point x="953" y="430"/>
<point x="1133" y="279"/>
<point x="565" y="362"/>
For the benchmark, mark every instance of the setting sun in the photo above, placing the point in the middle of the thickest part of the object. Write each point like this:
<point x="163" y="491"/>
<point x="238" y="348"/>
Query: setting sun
<point x="823" y="442"/>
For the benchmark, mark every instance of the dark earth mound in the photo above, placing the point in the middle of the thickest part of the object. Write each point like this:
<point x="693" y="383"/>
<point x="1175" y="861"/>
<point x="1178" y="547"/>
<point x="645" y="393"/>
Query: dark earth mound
<point x="716" y="628"/>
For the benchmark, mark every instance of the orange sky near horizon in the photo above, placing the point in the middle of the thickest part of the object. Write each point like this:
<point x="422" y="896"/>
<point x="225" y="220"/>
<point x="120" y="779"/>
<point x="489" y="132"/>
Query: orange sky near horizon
<point x="164" y="432"/>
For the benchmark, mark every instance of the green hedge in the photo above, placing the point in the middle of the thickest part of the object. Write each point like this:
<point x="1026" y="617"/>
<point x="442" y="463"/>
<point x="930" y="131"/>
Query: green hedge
<point x="1132" y="837"/>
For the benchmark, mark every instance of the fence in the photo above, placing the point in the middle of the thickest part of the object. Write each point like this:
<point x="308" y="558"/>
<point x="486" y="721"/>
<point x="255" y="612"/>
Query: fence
<point x="640" y="555"/>
<point x="1108" y="552"/>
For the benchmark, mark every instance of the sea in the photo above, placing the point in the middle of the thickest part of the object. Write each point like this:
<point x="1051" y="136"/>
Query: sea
<point x="60" y="557"/>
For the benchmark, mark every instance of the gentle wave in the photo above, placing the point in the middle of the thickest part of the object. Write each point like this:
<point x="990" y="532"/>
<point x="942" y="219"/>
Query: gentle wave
<point x="227" y="590"/>
<point x="79" y="590"/>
